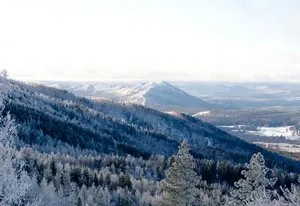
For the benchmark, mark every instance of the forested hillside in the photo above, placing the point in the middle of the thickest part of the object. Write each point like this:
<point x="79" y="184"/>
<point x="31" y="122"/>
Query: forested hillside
<point x="70" y="151"/>
<point x="55" y="120"/>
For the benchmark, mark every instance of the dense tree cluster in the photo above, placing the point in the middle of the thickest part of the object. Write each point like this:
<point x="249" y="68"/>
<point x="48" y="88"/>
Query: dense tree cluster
<point x="267" y="116"/>
<point x="51" y="161"/>
<point x="52" y="120"/>
<point x="34" y="178"/>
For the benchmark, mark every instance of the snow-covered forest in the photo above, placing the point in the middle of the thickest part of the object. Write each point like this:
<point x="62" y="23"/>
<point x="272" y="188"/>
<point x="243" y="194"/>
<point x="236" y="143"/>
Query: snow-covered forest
<point x="31" y="178"/>
<point x="55" y="172"/>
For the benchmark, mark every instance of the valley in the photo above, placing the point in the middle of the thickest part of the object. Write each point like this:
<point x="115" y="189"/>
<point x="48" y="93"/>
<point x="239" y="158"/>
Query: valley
<point x="60" y="117"/>
<point x="255" y="112"/>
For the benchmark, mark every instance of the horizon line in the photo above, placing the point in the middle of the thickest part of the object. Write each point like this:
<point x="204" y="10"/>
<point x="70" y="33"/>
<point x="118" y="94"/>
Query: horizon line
<point x="64" y="79"/>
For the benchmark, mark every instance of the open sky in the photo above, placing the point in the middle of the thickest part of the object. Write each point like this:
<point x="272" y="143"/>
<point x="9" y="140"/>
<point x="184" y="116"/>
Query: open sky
<point x="225" y="40"/>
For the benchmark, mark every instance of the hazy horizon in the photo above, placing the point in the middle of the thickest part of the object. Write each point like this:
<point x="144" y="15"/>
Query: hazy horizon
<point x="230" y="41"/>
<point x="120" y="80"/>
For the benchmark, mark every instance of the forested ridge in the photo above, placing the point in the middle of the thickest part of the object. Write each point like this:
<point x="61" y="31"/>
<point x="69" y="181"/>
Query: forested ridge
<point x="58" y="149"/>
<point x="48" y="116"/>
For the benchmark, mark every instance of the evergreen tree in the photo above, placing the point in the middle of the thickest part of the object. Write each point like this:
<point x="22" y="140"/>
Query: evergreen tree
<point x="46" y="194"/>
<point x="66" y="183"/>
<point x="79" y="202"/>
<point x="265" y="199"/>
<point x="254" y="183"/>
<point x="292" y="194"/>
<point x="15" y="183"/>
<point x="179" y="187"/>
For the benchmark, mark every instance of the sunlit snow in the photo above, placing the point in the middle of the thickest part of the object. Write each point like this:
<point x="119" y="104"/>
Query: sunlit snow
<point x="202" y="113"/>
<point x="288" y="132"/>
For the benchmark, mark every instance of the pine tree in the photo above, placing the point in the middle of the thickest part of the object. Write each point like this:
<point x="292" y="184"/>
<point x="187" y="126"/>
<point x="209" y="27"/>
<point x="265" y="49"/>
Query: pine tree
<point x="66" y="183"/>
<point x="254" y="183"/>
<point x="46" y="194"/>
<point x="292" y="195"/>
<point x="179" y="187"/>
<point x="15" y="183"/>
<point x="79" y="202"/>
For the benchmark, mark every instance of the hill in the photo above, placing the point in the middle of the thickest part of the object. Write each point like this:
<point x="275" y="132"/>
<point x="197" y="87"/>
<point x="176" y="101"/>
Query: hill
<point x="159" y="95"/>
<point x="56" y="120"/>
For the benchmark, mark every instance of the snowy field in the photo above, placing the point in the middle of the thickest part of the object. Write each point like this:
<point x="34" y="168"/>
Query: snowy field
<point x="288" y="132"/>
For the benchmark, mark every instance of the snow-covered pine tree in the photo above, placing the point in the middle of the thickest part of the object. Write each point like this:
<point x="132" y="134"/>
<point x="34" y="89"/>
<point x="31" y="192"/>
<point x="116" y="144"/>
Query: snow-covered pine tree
<point x="254" y="183"/>
<point x="292" y="195"/>
<point x="46" y="194"/>
<point x="179" y="187"/>
<point x="265" y="199"/>
<point x="15" y="183"/>
<point x="66" y="182"/>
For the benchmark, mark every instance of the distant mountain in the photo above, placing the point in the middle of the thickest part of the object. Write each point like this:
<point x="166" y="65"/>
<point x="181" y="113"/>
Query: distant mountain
<point x="54" y="120"/>
<point x="189" y="97"/>
<point x="217" y="89"/>
<point x="159" y="95"/>
<point x="244" y="94"/>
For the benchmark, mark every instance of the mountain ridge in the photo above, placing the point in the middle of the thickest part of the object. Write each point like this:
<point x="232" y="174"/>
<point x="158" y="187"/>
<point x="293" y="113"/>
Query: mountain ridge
<point x="159" y="95"/>
<point x="51" y="118"/>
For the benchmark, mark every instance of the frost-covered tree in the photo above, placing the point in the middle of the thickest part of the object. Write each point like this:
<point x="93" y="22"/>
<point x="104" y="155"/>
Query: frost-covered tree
<point x="265" y="199"/>
<point x="210" y="195"/>
<point x="66" y="183"/>
<point x="46" y="194"/>
<point x="15" y="182"/>
<point x="292" y="195"/>
<point x="179" y="187"/>
<point x="254" y="183"/>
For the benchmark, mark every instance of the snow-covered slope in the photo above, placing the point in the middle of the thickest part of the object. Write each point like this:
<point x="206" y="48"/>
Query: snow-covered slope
<point x="165" y="94"/>
<point x="56" y="120"/>
<point x="157" y="94"/>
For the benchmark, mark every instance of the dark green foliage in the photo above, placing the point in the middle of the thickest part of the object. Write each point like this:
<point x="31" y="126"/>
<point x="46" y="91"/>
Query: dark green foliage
<point x="124" y="181"/>
<point x="79" y="202"/>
